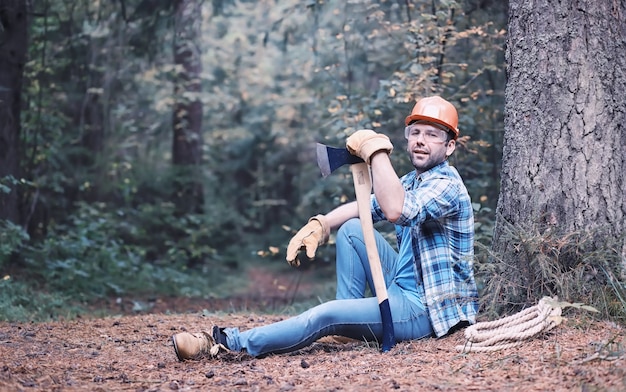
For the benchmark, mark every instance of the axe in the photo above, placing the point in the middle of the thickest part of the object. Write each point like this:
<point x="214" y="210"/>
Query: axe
<point x="328" y="160"/>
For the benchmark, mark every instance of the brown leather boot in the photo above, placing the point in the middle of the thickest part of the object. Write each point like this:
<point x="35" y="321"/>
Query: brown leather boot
<point x="195" y="345"/>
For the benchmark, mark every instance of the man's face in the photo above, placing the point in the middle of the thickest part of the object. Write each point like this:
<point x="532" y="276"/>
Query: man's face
<point x="427" y="146"/>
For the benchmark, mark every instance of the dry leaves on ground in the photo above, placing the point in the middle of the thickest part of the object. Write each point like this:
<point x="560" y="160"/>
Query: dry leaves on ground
<point x="135" y="353"/>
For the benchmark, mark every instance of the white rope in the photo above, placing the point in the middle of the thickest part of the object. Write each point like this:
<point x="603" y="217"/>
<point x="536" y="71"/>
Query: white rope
<point x="513" y="330"/>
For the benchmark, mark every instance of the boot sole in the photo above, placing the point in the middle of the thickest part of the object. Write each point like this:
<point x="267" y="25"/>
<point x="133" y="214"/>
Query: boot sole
<point x="176" y="349"/>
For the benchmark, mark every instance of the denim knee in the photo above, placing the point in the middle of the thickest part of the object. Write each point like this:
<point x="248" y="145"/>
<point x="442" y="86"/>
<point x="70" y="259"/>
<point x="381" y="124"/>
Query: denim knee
<point x="351" y="226"/>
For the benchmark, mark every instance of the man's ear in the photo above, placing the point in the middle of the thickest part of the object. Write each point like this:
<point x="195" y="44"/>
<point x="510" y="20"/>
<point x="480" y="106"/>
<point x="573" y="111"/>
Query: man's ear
<point x="450" y="147"/>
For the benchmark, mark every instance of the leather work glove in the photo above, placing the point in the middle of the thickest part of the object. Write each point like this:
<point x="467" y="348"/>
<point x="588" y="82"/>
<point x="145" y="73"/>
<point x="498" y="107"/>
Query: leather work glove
<point x="365" y="142"/>
<point x="312" y="235"/>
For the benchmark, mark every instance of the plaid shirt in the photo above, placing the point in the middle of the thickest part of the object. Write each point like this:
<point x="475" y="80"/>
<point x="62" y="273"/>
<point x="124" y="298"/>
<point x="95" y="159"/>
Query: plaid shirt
<point x="438" y="210"/>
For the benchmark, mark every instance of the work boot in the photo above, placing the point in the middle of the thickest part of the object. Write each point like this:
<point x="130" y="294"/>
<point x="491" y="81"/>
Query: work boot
<point x="195" y="345"/>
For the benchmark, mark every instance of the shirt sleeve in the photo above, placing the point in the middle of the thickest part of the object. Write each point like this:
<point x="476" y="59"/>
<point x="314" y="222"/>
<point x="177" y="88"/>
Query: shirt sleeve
<point x="433" y="199"/>
<point x="377" y="212"/>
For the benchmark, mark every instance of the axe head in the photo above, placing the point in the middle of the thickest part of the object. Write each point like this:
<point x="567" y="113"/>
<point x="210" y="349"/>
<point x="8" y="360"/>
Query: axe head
<point x="331" y="158"/>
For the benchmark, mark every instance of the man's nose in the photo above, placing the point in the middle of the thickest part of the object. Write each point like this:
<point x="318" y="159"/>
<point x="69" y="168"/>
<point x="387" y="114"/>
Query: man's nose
<point x="419" y="138"/>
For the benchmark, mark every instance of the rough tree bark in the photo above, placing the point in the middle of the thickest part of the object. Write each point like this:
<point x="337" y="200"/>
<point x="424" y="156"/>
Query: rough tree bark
<point x="187" y="117"/>
<point x="564" y="157"/>
<point x="13" y="45"/>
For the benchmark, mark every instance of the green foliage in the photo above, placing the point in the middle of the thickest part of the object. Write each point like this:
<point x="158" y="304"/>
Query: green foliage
<point x="19" y="302"/>
<point x="99" y="253"/>
<point x="85" y="257"/>
<point x="483" y="224"/>
<point x="7" y="183"/>
<point x="574" y="267"/>
<point x="12" y="237"/>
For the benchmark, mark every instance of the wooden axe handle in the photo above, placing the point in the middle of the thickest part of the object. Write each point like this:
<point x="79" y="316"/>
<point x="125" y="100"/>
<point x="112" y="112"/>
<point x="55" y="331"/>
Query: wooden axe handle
<point x="363" y="190"/>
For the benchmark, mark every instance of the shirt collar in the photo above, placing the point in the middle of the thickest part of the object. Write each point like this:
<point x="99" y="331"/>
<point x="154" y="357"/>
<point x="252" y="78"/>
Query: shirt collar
<point x="411" y="180"/>
<point x="433" y="172"/>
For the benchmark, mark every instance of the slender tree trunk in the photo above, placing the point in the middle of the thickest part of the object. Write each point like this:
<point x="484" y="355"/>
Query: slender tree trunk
<point x="564" y="158"/>
<point x="13" y="45"/>
<point x="187" y="118"/>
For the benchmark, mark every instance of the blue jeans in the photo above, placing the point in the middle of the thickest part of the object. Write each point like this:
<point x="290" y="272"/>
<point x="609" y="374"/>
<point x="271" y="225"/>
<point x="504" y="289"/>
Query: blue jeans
<point x="351" y="314"/>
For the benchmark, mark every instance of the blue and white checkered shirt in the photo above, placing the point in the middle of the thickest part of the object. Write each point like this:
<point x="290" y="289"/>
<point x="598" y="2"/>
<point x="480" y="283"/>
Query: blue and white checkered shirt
<point x="438" y="210"/>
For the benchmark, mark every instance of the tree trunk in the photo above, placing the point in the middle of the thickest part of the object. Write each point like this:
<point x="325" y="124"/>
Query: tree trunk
<point x="187" y="118"/>
<point x="13" y="46"/>
<point x="564" y="157"/>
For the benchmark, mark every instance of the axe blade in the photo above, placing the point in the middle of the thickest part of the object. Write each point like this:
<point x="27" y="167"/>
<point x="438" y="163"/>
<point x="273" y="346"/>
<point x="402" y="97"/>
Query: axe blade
<point x="331" y="158"/>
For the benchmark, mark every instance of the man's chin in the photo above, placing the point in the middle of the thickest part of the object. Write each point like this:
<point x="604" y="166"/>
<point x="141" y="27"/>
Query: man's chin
<point x="422" y="166"/>
<point x="419" y="160"/>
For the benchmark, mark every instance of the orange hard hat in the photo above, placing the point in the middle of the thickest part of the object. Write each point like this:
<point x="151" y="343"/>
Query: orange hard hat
<point x="435" y="110"/>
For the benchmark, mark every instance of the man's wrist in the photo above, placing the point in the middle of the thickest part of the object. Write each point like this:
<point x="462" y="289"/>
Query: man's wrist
<point x="321" y="219"/>
<point x="377" y="154"/>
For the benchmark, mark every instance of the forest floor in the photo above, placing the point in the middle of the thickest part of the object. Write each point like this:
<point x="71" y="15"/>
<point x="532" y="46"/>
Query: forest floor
<point x="130" y="351"/>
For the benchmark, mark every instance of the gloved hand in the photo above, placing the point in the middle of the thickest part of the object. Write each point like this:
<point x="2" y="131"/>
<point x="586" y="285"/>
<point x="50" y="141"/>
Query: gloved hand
<point x="365" y="142"/>
<point x="313" y="234"/>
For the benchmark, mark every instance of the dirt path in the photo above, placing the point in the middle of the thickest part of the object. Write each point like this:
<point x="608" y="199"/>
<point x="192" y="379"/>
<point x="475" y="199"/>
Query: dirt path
<point x="135" y="353"/>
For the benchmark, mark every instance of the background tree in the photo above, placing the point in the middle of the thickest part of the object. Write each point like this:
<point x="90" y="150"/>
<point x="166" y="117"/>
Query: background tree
<point x="187" y="116"/>
<point x="14" y="23"/>
<point x="561" y="223"/>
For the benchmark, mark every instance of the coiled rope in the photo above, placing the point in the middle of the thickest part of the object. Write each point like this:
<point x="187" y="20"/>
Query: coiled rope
<point x="513" y="330"/>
